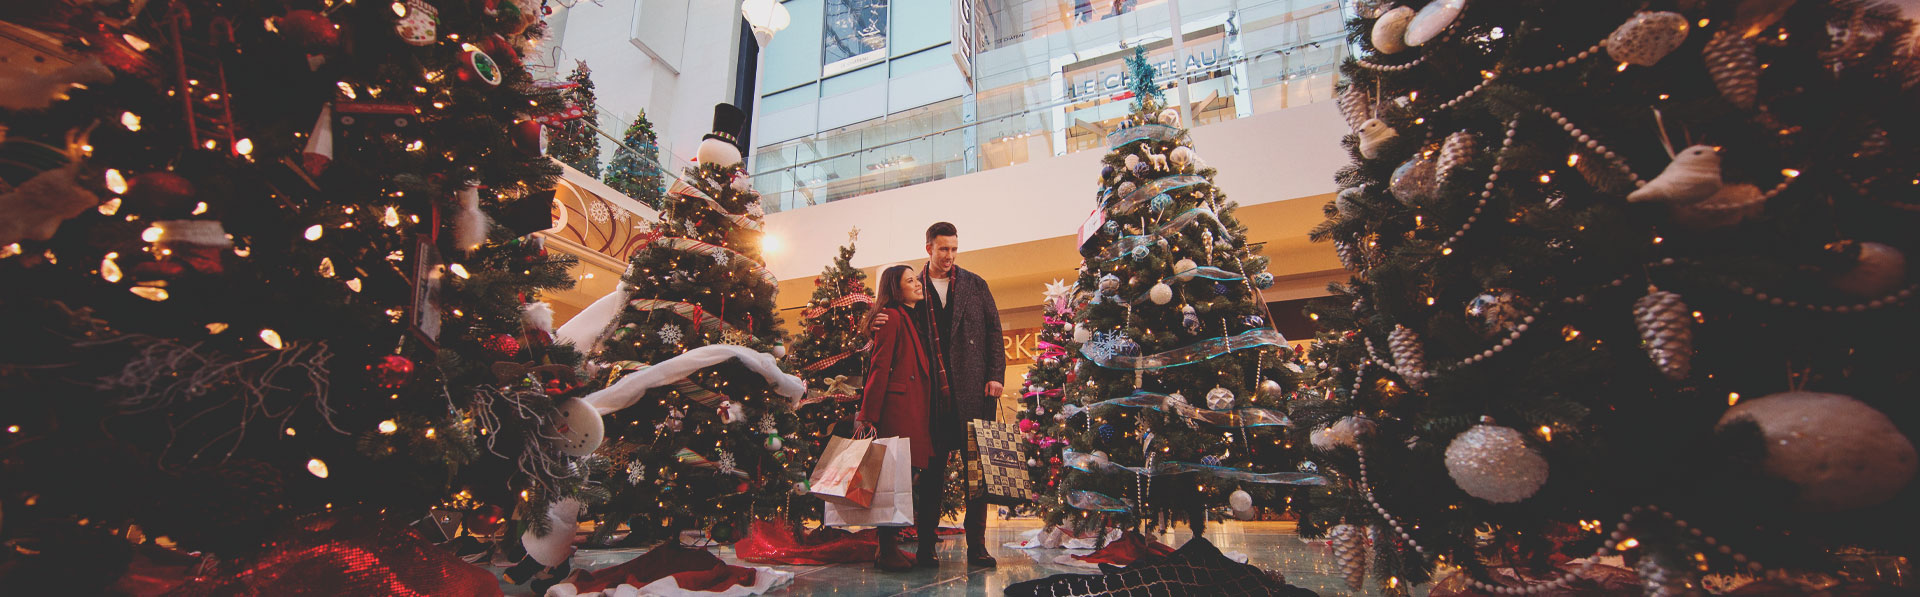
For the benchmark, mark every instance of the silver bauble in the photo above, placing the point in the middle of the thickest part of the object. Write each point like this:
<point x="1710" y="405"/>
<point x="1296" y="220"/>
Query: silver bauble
<point x="1390" y="30"/>
<point x="1647" y="37"/>
<point x="1432" y="20"/>
<point x="1495" y="464"/>
<point x="1878" y="271"/>
<point x="1495" y="312"/>
<point x="1416" y="181"/>
<point x="1841" y="453"/>
<point x="1220" y="399"/>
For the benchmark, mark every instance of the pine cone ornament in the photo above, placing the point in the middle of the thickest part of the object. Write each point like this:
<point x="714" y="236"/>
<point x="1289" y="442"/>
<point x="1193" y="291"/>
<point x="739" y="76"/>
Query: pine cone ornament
<point x="1666" y="331"/>
<point x="1353" y="105"/>
<point x="1349" y="257"/>
<point x="1409" y="357"/>
<point x="1735" y="69"/>
<point x="1350" y="550"/>
<point x="1459" y="149"/>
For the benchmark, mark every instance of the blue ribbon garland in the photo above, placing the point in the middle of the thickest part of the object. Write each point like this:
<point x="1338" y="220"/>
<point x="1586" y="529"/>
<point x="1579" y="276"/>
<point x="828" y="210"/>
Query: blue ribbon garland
<point x="1239" y="417"/>
<point x="1198" y="352"/>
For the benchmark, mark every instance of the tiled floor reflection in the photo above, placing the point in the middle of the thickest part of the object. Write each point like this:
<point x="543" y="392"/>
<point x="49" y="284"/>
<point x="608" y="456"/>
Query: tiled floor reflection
<point x="1269" y="545"/>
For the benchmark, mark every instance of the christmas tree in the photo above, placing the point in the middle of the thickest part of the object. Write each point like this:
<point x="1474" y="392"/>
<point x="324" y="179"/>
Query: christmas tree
<point x="229" y="316"/>
<point x="1627" y="280"/>
<point x="1179" y="382"/>
<point x="1044" y="399"/>
<point x="710" y="450"/>
<point x="575" y="142"/>
<point x="829" y="353"/>
<point x="636" y="169"/>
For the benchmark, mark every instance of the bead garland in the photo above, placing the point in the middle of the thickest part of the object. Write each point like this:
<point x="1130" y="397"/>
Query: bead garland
<point x="1593" y="145"/>
<point x="1618" y="535"/>
<point x="1891" y="299"/>
<point x="1526" y="323"/>
<point x="1389" y="67"/>
<point x="1565" y="62"/>
<point x="1446" y="248"/>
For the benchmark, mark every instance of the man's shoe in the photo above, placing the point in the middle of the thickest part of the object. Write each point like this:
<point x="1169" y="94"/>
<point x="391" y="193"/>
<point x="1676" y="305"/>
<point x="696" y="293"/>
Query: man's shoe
<point x="927" y="556"/>
<point x="981" y="559"/>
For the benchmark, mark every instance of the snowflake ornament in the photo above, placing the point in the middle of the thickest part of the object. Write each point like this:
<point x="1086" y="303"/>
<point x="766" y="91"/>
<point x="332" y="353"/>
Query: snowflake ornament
<point x="636" y="472"/>
<point x="721" y="259"/>
<point x="727" y="463"/>
<point x="670" y="334"/>
<point x="768" y="426"/>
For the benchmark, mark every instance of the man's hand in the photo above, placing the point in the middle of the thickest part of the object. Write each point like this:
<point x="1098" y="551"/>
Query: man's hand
<point x="994" y="388"/>
<point x="879" y="321"/>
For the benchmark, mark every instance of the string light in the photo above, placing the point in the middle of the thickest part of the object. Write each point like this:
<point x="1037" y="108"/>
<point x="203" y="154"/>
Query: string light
<point x="112" y="206"/>
<point x="291" y="432"/>
<point x="314" y="232"/>
<point x="216" y="327"/>
<point x="151" y="293"/>
<point x="109" y="270"/>
<point x="116" y="182"/>
<point x="1733" y="398"/>
<point x="131" y="121"/>
<point x="272" y="338"/>
<point x="319" y="469"/>
<point x="458" y="270"/>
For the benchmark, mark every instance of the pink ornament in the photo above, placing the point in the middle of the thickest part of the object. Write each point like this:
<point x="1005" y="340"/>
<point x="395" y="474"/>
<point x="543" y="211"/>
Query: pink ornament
<point x="1027" y="425"/>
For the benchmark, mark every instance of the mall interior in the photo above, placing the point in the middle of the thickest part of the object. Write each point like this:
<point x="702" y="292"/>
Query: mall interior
<point x="605" y="298"/>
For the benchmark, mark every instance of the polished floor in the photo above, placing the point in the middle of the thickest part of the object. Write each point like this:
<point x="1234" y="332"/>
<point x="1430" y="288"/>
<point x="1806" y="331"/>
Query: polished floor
<point x="1269" y="545"/>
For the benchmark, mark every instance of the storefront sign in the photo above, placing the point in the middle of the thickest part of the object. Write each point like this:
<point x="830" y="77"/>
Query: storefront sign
<point x="1110" y="76"/>
<point x="965" y="35"/>
<point x="1022" y="345"/>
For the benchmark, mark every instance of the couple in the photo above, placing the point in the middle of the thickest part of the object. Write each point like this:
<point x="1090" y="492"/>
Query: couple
<point x="936" y="363"/>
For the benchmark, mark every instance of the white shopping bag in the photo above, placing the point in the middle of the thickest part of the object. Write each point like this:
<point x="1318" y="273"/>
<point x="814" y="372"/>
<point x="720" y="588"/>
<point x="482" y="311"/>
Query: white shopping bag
<point x="892" y="500"/>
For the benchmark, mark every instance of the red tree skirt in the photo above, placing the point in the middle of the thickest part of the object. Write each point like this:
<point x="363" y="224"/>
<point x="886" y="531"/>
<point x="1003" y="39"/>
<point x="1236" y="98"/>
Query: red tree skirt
<point x="1130" y="547"/>
<point x="340" y="555"/>
<point x="769" y="542"/>
<point x="673" y="569"/>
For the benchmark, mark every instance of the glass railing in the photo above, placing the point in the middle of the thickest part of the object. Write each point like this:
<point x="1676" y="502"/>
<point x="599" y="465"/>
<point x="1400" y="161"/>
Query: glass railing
<point x="854" y="162"/>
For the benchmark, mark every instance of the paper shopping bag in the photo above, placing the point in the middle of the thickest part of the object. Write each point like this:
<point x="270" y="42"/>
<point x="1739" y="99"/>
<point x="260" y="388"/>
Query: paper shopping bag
<point x="995" y="469"/>
<point x="892" y="504"/>
<point x="848" y="471"/>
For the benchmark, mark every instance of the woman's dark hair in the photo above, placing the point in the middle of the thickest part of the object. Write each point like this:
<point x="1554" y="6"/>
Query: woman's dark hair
<point x="886" y="294"/>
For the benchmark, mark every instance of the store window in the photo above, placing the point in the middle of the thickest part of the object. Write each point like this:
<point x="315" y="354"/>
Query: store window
<point x="855" y="35"/>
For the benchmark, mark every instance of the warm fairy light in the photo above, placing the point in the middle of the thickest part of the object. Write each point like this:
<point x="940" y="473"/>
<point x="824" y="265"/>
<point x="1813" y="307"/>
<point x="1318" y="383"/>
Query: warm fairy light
<point x="1546" y="178"/>
<point x="1417" y="220"/>
<point x="1659" y="239"/>
<point x="1313" y="316"/>
<point x="391" y="217"/>
<point x="326" y="267"/>
<point x="429" y="433"/>
<point x="1621" y="68"/>
<point x="199" y="208"/>
<point x="1447" y="251"/>
<point x="354" y="285"/>
<point x="1699" y="317"/>
<point x="1733" y="398"/>
<point x="211" y="144"/>
<point x="243" y="147"/>
<point x="243" y="251"/>
<point x="136" y="42"/>
<point x="1429" y="301"/>
<point x="116" y="182"/>
<point x="272" y="338"/>
<point x="1413" y="97"/>
<point x="400" y="9"/>
<point x="1569" y="333"/>
<point x="1546" y="432"/>
<point x="314" y="232"/>
<point x="13" y="429"/>
<point x="469" y="47"/>
<point x="291" y="432"/>
<point x="1630" y="543"/>
<point x="1703" y="22"/>
<point x="1573" y="159"/>
<point x="459" y="270"/>
<point x="1790" y="173"/>
<point x="319" y="469"/>
<point x="216" y="327"/>
<point x="416" y="144"/>
<point x="130" y="120"/>
<point x="152" y="234"/>
<point x="9" y="250"/>
<point x="109" y="270"/>
<point x="151" y="293"/>
<point x="770" y="244"/>
<point x="1486" y="74"/>
<point x="523" y="494"/>
<point x="347" y="90"/>
<point x="387" y="427"/>
<point x="112" y="206"/>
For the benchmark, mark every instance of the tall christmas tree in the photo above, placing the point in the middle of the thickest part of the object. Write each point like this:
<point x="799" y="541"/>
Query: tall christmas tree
<point x="636" y="168"/>
<point x="576" y="142"/>
<point x="1178" y="381"/>
<point x="1627" y="280"/>
<point x="710" y="450"/>
<point x="1044" y="399"/>
<point x="829" y="352"/>
<point x="222" y="317"/>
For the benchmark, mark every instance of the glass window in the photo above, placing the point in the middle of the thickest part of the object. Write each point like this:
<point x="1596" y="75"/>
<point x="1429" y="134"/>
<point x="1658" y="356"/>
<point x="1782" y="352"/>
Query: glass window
<point x="919" y="61"/>
<point x="790" y="60"/>
<point x="920" y="24"/>
<point x="855" y="35"/>
<point x="789" y="98"/>
<point x="854" y="81"/>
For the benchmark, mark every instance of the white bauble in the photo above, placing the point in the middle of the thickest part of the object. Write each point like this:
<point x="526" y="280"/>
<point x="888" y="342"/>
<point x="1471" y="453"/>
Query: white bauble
<point x="1390" y="31"/>
<point x="1495" y="464"/>
<point x="1241" y="504"/>
<point x="1161" y="293"/>
<point x="1170" y="117"/>
<point x="580" y="428"/>
<point x="715" y="151"/>
<point x="1181" y="156"/>
<point x="1841" y="453"/>
<point x="1184" y="268"/>
<point x="779" y="351"/>
<point x="1081" y="334"/>
<point x="1132" y="161"/>
<point x="1219" y="398"/>
<point x="1432" y="20"/>
<point x="1880" y="271"/>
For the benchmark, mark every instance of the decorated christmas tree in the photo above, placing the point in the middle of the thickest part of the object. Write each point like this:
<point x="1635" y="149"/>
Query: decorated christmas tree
<point x="636" y="170"/>
<point x="1628" y="280"/>
<point x="1179" y="381"/>
<point x="262" y="262"/>
<point x="1044" y="399"/>
<point x="574" y="141"/>
<point x="706" y="452"/>
<point x="829" y="353"/>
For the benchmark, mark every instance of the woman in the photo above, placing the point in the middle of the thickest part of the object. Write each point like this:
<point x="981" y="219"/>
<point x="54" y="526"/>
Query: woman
<point x="896" y="402"/>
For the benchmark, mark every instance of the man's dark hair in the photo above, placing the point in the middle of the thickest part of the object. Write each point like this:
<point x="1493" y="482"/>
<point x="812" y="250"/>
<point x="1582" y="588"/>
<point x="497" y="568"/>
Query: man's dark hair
<point x="939" y="229"/>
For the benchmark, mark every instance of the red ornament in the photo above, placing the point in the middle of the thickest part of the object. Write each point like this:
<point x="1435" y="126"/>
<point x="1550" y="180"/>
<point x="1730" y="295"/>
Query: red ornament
<point x="160" y="195"/>
<point x="478" y="68"/>
<point x="310" y="30"/>
<point x="526" y="137"/>
<point x="485" y="520"/>
<point x="500" y="48"/>
<point x="503" y="345"/>
<point x="391" y="371"/>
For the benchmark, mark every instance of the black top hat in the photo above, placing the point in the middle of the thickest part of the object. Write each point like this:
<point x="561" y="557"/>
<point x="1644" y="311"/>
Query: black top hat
<point x="727" y="121"/>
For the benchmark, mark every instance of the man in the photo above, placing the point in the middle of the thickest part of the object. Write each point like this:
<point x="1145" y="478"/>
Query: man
<point x="960" y="320"/>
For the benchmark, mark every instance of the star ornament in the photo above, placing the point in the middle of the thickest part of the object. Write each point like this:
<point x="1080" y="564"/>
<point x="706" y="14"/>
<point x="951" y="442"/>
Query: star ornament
<point x="1058" y="291"/>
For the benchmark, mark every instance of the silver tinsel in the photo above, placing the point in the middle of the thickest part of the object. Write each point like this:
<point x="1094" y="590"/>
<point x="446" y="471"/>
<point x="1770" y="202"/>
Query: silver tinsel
<point x="1350" y="551"/>
<point x="1666" y="332"/>
<point x="1495" y="464"/>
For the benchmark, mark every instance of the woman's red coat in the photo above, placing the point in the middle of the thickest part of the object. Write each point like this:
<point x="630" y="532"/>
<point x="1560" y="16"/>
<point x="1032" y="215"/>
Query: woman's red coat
<point x="896" y="395"/>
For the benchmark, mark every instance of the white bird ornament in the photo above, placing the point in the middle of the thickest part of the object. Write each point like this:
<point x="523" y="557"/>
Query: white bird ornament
<point x="1694" y="175"/>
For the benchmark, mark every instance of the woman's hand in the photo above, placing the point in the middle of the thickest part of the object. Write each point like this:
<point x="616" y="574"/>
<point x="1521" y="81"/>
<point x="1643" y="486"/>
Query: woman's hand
<point x="862" y="430"/>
